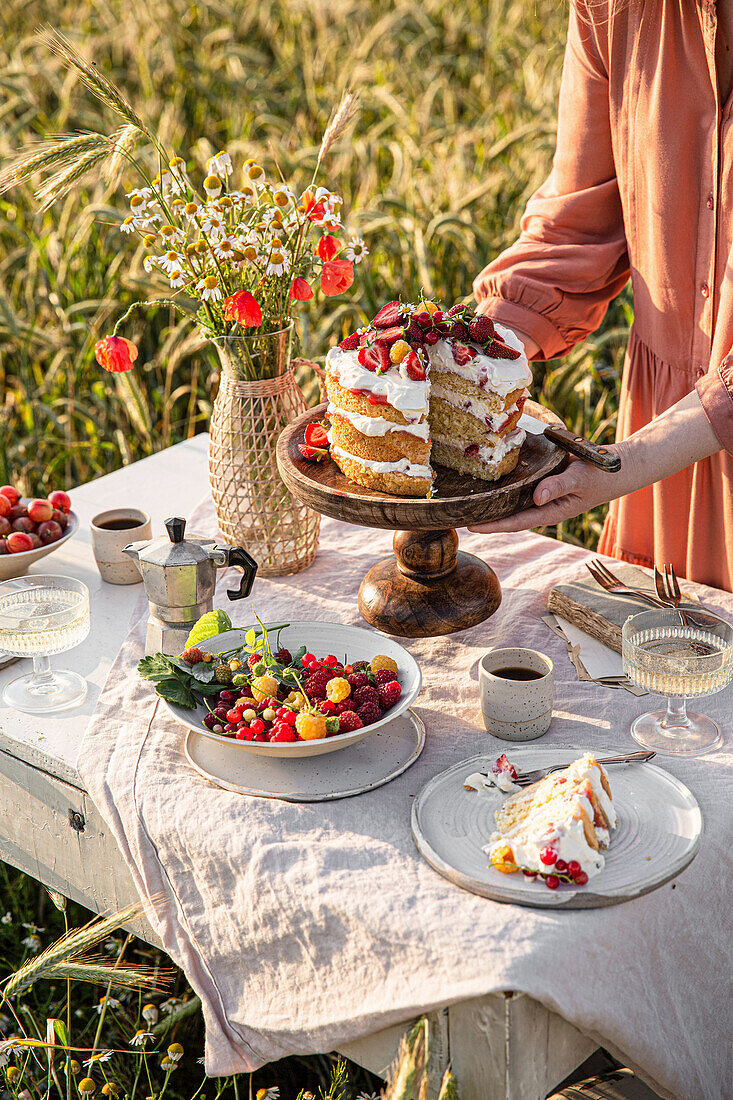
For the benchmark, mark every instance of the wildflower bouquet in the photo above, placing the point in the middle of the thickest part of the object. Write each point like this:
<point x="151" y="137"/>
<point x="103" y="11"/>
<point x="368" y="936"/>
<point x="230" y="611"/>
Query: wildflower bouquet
<point x="238" y="249"/>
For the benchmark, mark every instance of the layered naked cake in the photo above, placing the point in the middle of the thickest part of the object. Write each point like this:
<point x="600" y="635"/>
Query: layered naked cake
<point x="557" y="828"/>
<point x="420" y="385"/>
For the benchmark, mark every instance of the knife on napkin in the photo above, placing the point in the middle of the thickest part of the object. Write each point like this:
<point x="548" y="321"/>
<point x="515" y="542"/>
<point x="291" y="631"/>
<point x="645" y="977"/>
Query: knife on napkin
<point x="574" y="444"/>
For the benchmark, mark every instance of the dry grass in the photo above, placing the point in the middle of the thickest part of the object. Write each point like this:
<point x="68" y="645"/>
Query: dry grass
<point x="455" y="129"/>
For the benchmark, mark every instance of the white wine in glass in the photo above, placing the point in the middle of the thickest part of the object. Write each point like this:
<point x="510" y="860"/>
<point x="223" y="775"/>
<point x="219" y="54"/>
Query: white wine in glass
<point x="677" y="653"/>
<point x="41" y="615"/>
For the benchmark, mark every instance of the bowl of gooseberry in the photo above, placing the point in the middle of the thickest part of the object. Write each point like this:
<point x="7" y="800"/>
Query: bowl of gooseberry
<point x="31" y="529"/>
<point x="350" y="680"/>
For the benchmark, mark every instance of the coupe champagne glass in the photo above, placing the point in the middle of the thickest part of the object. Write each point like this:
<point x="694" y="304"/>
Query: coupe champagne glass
<point x="679" y="654"/>
<point x="41" y="615"/>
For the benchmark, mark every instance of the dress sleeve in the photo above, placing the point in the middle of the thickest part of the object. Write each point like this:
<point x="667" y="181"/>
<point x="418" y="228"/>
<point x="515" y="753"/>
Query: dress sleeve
<point x="571" y="258"/>
<point x="715" y="390"/>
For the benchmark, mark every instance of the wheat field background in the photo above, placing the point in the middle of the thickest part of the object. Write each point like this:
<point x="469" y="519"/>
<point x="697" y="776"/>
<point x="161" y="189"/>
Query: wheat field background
<point x="456" y="129"/>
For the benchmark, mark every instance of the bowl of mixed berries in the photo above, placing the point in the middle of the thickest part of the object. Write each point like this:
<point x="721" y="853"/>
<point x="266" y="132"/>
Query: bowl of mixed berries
<point x="31" y="529"/>
<point x="296" y="689"/>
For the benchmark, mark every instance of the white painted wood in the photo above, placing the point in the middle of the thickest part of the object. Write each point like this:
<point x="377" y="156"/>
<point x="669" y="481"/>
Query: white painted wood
<point x="495" y="1050"/>
<point x="172" y="482"/>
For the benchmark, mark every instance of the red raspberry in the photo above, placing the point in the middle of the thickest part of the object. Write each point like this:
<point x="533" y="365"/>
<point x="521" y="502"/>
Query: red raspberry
<point x="364" y="695"/>
<point x="253" y="659"/>
<point x="459" y="331"/>
<point x="369" y="712"/>
<point x="283" y="656"/>
<point x="383" y="676"/>
<point x="326" y="706"/>
<point x="349" y="721"/>
<point x="389" y="694"/>
<point x="285" y="733"/>
<point x="358" y="680"/>
<point x="192" y="656"/>
<point x="360" y="666"/>
<point x="343" y="706"/>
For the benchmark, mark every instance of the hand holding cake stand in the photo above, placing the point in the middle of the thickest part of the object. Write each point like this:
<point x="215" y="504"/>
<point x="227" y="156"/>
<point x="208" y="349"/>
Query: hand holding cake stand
<point x="429" y="587"/>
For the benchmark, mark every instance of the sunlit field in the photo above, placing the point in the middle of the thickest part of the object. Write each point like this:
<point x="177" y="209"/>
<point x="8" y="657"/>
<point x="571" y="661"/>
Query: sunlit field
<point x="456" y="129"/>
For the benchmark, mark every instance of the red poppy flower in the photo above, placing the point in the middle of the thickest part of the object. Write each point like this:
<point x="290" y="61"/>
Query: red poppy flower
<point x="313" y="210"/>
<point x="115" y="354"/>
<point x="301" y="290"/>
<point x="336" y="277"/>
<point x="243" y="307"/>
<point x="328" y="247"/>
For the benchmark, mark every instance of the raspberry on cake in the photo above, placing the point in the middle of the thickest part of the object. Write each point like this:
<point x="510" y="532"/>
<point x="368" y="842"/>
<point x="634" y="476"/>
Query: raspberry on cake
<point x="417" y="384"/>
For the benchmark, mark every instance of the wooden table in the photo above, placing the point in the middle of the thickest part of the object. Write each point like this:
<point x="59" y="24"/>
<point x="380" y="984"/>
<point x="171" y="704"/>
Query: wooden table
<point x="501" y="1047"/>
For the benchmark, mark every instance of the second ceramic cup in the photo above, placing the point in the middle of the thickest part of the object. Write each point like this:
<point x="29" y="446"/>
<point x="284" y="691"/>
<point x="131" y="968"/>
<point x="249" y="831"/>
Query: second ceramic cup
<point x="111" y="531"/>
<point x="516" y="687"/>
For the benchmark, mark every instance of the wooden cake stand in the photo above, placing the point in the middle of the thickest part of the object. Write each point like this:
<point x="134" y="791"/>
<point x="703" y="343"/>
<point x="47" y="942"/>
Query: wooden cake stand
<point x="429" y="587"/>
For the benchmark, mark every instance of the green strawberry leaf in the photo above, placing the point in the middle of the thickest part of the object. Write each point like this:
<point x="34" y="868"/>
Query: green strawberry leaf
<point x="213" y="622"/>
<point x="155" y="667"/>
<point x="176" y="691"/>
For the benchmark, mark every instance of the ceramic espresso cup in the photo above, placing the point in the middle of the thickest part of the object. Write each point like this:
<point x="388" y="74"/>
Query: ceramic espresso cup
<point x="516" y="706"/>
<point x="111" y="531"/>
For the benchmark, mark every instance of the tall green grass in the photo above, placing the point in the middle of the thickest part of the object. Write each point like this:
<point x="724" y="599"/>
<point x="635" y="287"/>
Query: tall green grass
<point x="457" y="125"/>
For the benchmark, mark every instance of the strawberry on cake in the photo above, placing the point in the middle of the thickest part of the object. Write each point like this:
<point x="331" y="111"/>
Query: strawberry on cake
<point x="417" y="384"/>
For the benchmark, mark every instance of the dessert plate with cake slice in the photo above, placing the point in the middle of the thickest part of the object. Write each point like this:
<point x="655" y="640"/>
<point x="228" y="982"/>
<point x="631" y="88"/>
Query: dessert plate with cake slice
<point x="583" y="837"/>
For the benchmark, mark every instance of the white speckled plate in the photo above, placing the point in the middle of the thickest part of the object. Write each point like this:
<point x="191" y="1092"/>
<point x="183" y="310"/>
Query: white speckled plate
<point x="658" y="834"/>
<point x="366" y="765"/>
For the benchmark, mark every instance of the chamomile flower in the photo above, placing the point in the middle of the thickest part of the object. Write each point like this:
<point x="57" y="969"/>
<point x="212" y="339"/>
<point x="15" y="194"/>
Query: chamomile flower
<point x="170" y="260"/>
<point x="7" y="918"/>
<point x="209" y="289"/>
<point x="273" y="1093"/>
<point x="128" y="225"/>
<point x="193" y="209"/>
<point x="213" y="224"/>
<point x="150" y="1014"/>
<point x="148" y="222"/>
<point x="32" y="942"/>
<point x="103" y="1056"/>
<point x="107" y="1002"/>
<point x="177" y="278"/>
<point x="224" y="249"/>
<point x="356" y="250"/>
<point x="368" y="1096"/>
<point x="148" y="266"/>
<point x="238" y="198"/>
<point x="254" y="171"/>
<point x="220" y="165"/>
<point x="139" y="196"/>
<point x="213" y="186"/>
<point x="330" y="221"/>
<point x="175" y="1052"/>
<point x="170" y="184"/>
<point x="278" y="263"/>
<point x="282" y="196"/>
<point x="141" y="1037"/>
<point x="171" y="234"/>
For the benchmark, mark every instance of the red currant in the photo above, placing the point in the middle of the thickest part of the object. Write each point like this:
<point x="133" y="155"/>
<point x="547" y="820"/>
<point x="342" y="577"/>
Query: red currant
<point x="260" y="737"/>
<point x="348" y="669"/>
<point x="552" y="882"/>
<point x="560" y="865"/>
<point x="217" y="728"/>
<point x="281" y="712"/>
<point x="581" y="878"/>
<point x="289" y="716"/>
<point x="573" y="867"/>
<point x="330" y="660"/>
<point x="548" y="856"/>
<point x="241" y="734"/>
<point x="530" y="874"/>
<point x="257" y="726"/>
<point x="230" y="727"/>
<point x="308" y="659"/>
<point x="234" y="715"/>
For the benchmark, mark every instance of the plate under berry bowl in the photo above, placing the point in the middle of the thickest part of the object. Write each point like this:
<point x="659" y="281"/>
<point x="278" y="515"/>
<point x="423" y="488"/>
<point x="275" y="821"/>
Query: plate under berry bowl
<point x="353" y="642"/>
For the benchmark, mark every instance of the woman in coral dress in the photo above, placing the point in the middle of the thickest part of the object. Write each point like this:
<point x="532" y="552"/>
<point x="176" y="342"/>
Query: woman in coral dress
<point x="641" y="184"/>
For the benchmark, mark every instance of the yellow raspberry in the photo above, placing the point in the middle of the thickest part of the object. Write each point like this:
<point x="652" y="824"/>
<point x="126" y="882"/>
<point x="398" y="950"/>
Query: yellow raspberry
<point x="311" y="726"/>
<point x="338" y="689"/>
<point x="432" y="307"/>
<point x="380" y="661"/>
<point x="263" y="687"/>
<point x="398" y="351"/>
<point x="295" y="700"/>
<point x="503" y="859"/>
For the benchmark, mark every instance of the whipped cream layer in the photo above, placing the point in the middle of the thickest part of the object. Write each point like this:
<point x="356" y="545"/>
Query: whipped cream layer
<point x="587" y="767"/>
<point x="480" y="407"/>
<point x="500" y="375"/>
<point x="374" y="426"/>
<point x="558" y="825"/>
<point x="479" y="781"/>
<point x="489" y="454"/>
<point x="403" y="466"/>
<point x="408" y="397"/>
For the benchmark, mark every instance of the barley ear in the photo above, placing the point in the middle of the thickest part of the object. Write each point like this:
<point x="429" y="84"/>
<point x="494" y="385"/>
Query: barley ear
<point x="338" y="122"/>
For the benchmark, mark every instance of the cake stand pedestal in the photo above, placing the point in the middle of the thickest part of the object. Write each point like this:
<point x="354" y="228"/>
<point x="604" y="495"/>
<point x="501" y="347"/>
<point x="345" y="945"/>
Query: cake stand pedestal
<point x="429" y="587"/>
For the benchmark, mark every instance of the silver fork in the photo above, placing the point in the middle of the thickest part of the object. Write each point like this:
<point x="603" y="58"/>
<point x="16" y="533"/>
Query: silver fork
<point x="524" y="779"/>
<point x="668" y="589"/>
<point x="611" y="583"/>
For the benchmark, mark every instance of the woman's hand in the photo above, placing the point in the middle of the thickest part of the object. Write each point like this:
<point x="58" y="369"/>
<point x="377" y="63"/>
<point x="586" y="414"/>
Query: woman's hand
<point x="578" y="488"/>
<point x="675" y="439"/>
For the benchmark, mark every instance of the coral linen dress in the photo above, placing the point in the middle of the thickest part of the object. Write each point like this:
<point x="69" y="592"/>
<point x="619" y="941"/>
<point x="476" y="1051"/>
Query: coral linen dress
<point x="642" y="183"/>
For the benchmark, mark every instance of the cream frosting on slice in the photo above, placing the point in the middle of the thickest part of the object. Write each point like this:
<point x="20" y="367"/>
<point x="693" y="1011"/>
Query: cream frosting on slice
<point x="500" y="375"/>
<point x="403" y="466"/>
<point x="507" y="443"/>
<point x="480" y="407"/>
<point x="373" y="426"/>
<point x="557" y="824"/>
<point x="407" y="396"/>
<point x="587" y="767"/>
<point x="478" y="781"/>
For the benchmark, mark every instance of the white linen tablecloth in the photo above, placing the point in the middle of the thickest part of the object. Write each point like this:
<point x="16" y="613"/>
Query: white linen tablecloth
<point x="303" y="926"/>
